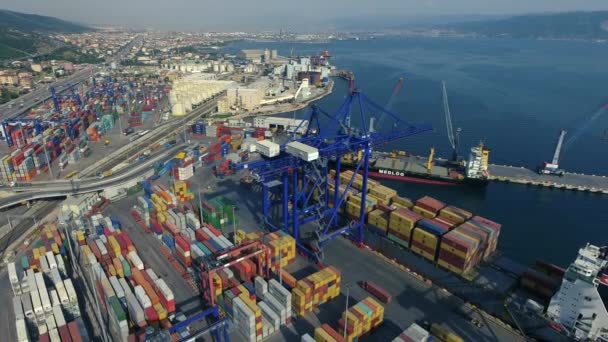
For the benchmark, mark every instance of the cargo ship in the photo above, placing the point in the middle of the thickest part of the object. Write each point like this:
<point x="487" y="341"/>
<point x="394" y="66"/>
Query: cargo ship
<point x="402" y="166"/>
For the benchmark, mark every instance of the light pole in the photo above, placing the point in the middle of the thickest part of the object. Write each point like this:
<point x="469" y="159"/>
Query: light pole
<point x="233" y="226"/>
<point x="346" y="309"/>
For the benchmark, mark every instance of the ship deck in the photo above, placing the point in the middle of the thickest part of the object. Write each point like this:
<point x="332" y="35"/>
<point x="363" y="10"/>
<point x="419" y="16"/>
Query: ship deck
<point x="409" y="164"/>
<point x="569" y="181"/>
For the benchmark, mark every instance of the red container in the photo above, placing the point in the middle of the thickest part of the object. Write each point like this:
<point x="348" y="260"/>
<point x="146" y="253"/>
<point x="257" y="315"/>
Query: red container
<point x="201" y="235"/>
<point x="74" y="332"/>
<point x="151" y="314"/>
<point x="180" y="241"/>
<point x="212" y="229"/>
<point x="423" y="247"/>
<point x="377" y="291"/>
<point x="94" y="249"/>
<point x="454" y="241"/>
<point x="430" y="204"/>
<point x="64" y="333"/>
<point x="44" y="337"/>
<point x="333" y="333"/>
<point x="171" y="228"/>
<point x="490" y="224"/>
<point x="453" y="259"/>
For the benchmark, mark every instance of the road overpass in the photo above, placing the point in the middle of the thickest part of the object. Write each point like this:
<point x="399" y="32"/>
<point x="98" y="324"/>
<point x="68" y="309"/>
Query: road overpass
<point x="75" y="187"/>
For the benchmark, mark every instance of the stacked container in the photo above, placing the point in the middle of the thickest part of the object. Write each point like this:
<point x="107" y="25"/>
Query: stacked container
<point x="315" y="290"/>
<point x="428" y="206"/>
<point x="361" y="318"/>
<point x="426" y="237"/>
<point x="401" y="223"/>
<point x="282" y="249"/>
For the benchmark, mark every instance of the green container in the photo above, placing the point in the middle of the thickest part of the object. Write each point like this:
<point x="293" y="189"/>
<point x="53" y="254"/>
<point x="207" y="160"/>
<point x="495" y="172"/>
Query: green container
<point x="398" y="240"/>
<point x="134" y="189"/>
<point x="203" y="248"/>
<point x="119" y="313"/>
<point x="25" y="264"/>
<point x="126" y="268"/>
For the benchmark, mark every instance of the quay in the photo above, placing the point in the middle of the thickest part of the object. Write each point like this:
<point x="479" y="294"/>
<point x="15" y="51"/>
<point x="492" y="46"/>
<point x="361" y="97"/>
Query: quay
<point x="569" y="181"/>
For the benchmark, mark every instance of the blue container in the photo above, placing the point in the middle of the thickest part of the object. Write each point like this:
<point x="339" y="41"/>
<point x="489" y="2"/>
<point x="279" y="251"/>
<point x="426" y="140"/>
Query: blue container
<point x="215" y="245"/>
<point x="99" y="229"/>
<point x="62" y="251"/>
<point x="168" y="241"/>
<point x="115" y="222"/>
<point x="249" y="286"/>
<point x="430" y="227"/>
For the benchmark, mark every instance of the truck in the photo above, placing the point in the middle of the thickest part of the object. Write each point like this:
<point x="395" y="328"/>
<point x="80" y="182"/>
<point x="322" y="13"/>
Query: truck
<point x="128" y="131"/>
<point x="444" y="334"/>
<point x="377" y="291"/>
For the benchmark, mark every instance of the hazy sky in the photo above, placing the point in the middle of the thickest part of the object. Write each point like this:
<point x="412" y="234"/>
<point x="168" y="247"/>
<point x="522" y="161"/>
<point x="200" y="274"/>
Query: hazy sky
<point x="266" y="14"/>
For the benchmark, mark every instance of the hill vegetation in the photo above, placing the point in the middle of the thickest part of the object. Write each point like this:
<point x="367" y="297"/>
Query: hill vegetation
<point x="24" y="35"/>
<point x="38" y="23"/>
<point x="569" y="25"/>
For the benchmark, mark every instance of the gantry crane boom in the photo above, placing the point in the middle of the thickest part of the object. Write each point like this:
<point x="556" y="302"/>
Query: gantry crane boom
<point x="558" y="147"/>
<point x="302" y="185"/>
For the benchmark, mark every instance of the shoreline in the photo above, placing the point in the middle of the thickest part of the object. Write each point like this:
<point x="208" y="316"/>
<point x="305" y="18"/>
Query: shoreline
<point x="292" y="107"/>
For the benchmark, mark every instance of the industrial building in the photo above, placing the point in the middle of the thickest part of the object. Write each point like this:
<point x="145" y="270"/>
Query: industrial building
<point x="579" y="304"/>
<point x="285" y="124"/>
<point x="258" y="55"/>
<point x="190" y="91"/>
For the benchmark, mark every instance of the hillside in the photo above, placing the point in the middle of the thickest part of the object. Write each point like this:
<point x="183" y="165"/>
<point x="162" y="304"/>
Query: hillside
<point x="32" y="22"/>
<point x="570" y="25"/>
<point x="27" y="34"/>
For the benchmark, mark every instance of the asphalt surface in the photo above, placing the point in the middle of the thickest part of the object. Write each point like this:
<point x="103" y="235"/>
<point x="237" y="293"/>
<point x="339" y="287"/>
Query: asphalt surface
<point x="522" y="174"/>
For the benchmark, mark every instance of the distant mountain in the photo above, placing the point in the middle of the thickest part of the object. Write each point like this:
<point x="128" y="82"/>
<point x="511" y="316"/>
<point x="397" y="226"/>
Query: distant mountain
<point x="39" y="23"/>
<point x="569" y="25"/>
<point x="24" y="34"/>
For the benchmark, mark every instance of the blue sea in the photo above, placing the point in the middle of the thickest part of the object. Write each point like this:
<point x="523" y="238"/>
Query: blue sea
<point x="515" y="95"/>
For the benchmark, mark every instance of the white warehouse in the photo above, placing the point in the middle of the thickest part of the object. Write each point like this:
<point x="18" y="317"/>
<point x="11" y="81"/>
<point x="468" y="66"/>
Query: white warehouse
<point x="285" y="124"/>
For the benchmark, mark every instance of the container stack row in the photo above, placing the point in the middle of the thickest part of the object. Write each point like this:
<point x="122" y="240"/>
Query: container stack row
<point x="45" y="301"/>
<point x="454" y="238"/>
<point x="131" y="296"/>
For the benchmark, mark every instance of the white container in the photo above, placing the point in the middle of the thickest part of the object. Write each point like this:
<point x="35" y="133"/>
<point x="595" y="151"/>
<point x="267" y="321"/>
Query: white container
<point x="302" y="151"/>
<point x="54" y="298"/>
<point x="44" y="295"/>
<point x="142" y="297"/>
<point x="120" y="293"/>
<point x="12" y="274"/>
<point x="135" y="260"/>
<point x="28" y="311"/>
<point x="268" y="148"/>
<point x="152" y="274"/>
<point x="18" y="308"/>
<point x="69" y="287"/>
<point x="59" y="318"/>
<point x="125" y="286"/>
<point x="62" y="293"/>
<point x="50" y="258"/>
<point x="22" y="333"/>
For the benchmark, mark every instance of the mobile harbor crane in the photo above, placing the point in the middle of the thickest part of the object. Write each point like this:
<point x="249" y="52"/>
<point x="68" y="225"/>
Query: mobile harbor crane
<point x="552" y="168"/>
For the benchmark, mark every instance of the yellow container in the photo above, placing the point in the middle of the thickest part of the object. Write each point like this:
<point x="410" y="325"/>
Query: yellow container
<point x="322" y="336"/>
<point x="423" y="212"/>
<point x="425" y="238"/>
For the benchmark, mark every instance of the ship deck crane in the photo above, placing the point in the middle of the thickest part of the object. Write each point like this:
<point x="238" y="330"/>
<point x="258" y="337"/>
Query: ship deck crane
<point x="552" y="168"/>
<point x="295" y="190"/>
<point x="453" y="138"/>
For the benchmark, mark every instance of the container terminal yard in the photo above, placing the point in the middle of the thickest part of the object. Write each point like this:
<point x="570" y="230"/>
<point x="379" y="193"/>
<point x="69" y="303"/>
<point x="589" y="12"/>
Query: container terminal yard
<point x="206" y="228"/>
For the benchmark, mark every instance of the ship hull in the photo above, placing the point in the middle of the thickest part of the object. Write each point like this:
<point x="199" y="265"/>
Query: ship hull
<point x="404" y="176"/>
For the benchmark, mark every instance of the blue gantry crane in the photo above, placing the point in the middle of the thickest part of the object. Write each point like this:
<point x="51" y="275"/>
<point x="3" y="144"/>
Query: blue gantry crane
<point x="295" y="183"/>
<point x="56" y="97"/>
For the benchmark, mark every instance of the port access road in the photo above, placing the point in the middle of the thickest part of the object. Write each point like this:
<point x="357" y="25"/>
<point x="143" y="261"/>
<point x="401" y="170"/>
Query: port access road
<point x="569" y="181"/>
